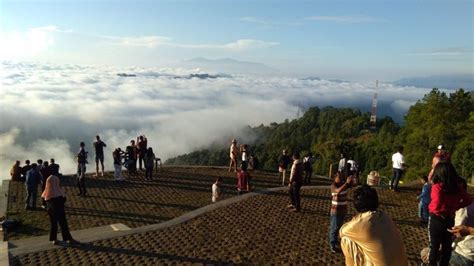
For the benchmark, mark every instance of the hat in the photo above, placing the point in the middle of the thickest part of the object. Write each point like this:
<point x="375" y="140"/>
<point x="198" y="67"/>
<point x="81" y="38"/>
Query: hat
<point x="440" y="147"/>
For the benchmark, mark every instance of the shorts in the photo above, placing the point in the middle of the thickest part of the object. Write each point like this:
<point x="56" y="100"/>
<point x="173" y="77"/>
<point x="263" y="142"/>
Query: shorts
<point x="99" y="157"/>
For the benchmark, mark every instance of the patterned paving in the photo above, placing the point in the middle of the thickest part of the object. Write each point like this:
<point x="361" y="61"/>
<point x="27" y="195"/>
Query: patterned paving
<point x="134" y="203"/>
<point x="259" y="230"/>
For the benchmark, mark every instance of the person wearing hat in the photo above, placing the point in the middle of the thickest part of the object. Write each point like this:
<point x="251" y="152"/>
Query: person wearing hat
<point x="440" y="156"/>
<point x="233" y="155"/>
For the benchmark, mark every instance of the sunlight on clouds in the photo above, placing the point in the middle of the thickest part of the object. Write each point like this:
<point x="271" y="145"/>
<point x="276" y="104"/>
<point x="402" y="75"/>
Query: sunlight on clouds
<point x="16" y="44"/>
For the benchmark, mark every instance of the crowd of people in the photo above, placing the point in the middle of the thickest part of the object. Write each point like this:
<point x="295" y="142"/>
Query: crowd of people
<point x="370" y="238"/>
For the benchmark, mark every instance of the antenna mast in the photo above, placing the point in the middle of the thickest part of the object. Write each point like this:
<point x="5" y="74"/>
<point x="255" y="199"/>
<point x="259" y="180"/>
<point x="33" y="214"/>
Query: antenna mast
<point x="373" y="115"/>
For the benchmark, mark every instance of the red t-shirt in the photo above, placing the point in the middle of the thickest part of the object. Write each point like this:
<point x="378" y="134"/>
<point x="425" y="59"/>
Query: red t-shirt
<point x="447" y="204"/>
<point x="242" y="180"/>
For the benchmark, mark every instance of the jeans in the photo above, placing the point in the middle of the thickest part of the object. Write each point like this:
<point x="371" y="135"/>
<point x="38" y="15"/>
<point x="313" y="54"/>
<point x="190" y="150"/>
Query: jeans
<point x="81" y="170"/>
<point x="118" y="172"/>
<point x="397" y="175"/>
<point x="423" y="211"/>
<point x="336" y="222"/>
<point x="31" y="195"/>
<point x="81" y="184"/>
<point x="294" y="191"/>
<point x="307" y="176"/>
<point x="439" y="236"/>
<point x="148" y="172"/>
<point x="458" y="259"/>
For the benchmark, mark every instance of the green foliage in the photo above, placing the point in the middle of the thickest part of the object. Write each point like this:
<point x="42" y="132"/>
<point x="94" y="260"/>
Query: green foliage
<point x="435" y="119"/>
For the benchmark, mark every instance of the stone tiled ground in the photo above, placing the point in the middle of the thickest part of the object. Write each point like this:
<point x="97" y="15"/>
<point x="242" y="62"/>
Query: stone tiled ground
<point x="259" y="230"/>
<point x="136" y="202"/>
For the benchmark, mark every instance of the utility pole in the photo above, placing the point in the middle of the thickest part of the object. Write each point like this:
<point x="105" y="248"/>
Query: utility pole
<point x="373" y="115"/>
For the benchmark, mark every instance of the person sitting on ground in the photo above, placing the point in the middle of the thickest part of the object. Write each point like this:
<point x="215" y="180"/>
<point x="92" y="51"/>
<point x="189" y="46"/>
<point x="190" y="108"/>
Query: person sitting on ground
<point x="25" y="169"/>
<point x="371" y="237"/>
<point x="149" y="160"/>
<point x="55" y="168"/>
<point x="339" y="191"/>
<point x="55" y="199"/>
<point x="142" y="148"/>
<point x="283" y="162"/>
<point x="99" y="155"/>
<point x="15" y="171"/>
<point x="308" y="161"/>
<point x="33" y="179"/>
<point x="117" y="155"/>
<point x="424" y="198"/>
<point x="216" y="189"/>
<point x="295" y="182"/>
<point x="463" y="253"/>
<point x="233" y="155"/>
<point x="447" y="196"/>
<point x="243" y="180"/>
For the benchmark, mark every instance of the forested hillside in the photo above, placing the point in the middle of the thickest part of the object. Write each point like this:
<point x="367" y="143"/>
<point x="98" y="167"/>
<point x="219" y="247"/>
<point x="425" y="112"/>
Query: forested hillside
<point x="435" y="119"/>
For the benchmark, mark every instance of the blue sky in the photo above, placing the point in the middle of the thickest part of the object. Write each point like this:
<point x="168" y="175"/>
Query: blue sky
<point x="337" y="39"/>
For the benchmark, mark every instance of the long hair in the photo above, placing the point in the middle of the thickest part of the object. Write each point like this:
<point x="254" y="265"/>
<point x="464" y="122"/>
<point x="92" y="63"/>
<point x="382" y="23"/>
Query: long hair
<point x="446" y="174"/>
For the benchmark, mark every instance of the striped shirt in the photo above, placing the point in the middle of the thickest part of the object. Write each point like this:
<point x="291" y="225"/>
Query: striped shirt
<point x="339" y="200"/>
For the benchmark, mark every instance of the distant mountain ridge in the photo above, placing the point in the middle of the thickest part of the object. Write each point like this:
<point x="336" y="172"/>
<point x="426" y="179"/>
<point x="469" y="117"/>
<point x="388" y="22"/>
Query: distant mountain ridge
<point x="452" y="82"/>
<point x="228" y="65"/>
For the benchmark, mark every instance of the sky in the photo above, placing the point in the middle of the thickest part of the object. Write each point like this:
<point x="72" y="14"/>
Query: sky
<point x="59" y="62"/>
<point x="356" y="40"/>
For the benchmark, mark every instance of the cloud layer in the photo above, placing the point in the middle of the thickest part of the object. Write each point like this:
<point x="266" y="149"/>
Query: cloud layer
<point x="46" y="110"/>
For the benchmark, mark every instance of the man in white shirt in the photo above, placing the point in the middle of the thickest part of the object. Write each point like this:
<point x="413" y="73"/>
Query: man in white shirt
<point x="216" y="189"/>
<point x="398" y="162"/>
<point x="342" y="163"/>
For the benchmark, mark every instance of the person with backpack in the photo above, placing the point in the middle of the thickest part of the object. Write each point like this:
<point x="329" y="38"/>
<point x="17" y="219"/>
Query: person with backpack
<point x="81" y="169"/>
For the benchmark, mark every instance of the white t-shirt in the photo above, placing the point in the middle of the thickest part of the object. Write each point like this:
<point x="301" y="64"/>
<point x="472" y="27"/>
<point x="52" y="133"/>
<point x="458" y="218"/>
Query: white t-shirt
<point x="465" y="245"/>
<point x="244" y="156"/>
<point x="398" y="160"/>
<point x="216" y="192"/>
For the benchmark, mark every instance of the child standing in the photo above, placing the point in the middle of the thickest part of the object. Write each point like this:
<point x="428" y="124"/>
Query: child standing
<point x="216" y="189"/>
<point x="424" y="198"/>
<point x="339" y="190"/>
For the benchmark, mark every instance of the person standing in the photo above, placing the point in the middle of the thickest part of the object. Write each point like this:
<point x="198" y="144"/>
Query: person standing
<point x="25" y="169"/>
<point x="54" y="168"/>
<point x="398" y="163"/>
<point x="117" y="155"/>
<point x="45" y="173"/>
<point x="216" y="189"/>
<point x="243" y="180"/>
<point x="149" y="161"/>
<point x="308" y="161"/>
<point x="33" y="179"/>
<point x="295" y="182"/>
<point x="131" y="153"/>
<point x="245" y="155"/>
<point x="142" y="144"/>
<point x="342" y="163"/>
<point x="339" y="191"/>
<point x="15" y="171"/>
<point x="447" y="196"/>
<point x="81" y="169"/>
<point x="283" y="162"/>
<point x="99" y="155"/>
<point x="424" y="198"/>
<point x="440" y="156"/>
<point x="55" y="199"/>
<point x="233" y="155"/>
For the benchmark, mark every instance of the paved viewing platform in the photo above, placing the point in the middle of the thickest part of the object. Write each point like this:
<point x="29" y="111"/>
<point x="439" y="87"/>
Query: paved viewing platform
<point x="171" y="220"/>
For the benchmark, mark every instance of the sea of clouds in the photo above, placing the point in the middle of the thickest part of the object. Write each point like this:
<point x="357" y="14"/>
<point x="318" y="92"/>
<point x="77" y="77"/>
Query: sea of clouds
<point x="47" y="109"/>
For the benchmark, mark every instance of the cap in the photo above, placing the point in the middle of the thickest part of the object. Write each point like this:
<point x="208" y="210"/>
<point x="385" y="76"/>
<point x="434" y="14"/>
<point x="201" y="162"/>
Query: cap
<point x="440" y="147"/>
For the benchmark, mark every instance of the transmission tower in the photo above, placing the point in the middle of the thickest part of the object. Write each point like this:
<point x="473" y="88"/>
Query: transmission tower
<point x="373" y="115"/>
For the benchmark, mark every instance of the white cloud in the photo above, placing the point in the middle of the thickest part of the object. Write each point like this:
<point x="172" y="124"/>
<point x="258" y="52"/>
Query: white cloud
<point x="46" y="110"/>
<point x="18" y="44"/>
<point x="344" y="19"/>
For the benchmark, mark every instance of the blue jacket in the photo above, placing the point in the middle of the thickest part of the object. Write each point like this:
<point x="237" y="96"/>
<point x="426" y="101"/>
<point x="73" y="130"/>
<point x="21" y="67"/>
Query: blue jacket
<point x="33" y="179"/>
<point x="425" y="196"/>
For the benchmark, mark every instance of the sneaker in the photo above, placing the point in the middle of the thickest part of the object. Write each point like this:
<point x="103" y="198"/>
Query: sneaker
<point x="55" y="242"/>
<point x="294" y="210"/>
<point x="290" y="206"/>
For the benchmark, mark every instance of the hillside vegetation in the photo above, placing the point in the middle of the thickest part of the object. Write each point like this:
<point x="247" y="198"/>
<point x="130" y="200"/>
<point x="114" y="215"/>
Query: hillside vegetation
<point x="435" y="119"/>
